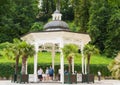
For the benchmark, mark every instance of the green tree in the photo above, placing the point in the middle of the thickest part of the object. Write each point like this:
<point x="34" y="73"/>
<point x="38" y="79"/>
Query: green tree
<point x="88" y="51"/>
<point x="8" y="29"/>
<point x="12" y="51"/>
<point x="69" y="51"/>
<point x="2" y="47"/>
<point x="37" y="26"/>
<point x="114" y="67"/>
<point x="66" y="9"/>
<point x="25" y="14"/>
<point x="47" y="8"/>
<point x="76" y="7"/>
<point x="16" y="18"/>
<point x="81" y="14"/>
<point x="27" y="51"/>
<point x="112" y="46"/>
<point x="114" y="3"/>
<point x="16" y="50"/>
<point x="98" y="20"/>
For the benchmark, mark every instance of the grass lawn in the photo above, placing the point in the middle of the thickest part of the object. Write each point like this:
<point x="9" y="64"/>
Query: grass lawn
<point x="45" y="57"/>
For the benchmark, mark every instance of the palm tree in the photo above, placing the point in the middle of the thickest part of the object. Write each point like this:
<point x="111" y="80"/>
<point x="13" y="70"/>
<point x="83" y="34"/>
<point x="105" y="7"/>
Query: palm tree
<point x="27" y="51"/>
<point x="88" y="51"/>
<point x="11" y="50"/>
<point x="69" y="52"/>
<point x="17" y="52"/>
<point x="114" y="67"/>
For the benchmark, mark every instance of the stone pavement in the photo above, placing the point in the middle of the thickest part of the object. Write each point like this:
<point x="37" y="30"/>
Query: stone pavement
<point x="102" y="82"/>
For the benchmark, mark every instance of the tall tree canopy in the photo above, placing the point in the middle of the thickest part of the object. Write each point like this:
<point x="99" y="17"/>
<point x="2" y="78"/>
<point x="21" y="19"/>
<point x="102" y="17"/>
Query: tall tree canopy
<point x="16" y="18"/>
<point x="99" y="18"/>
<point x="112" y="46"/>
<point x="104" y="23"/>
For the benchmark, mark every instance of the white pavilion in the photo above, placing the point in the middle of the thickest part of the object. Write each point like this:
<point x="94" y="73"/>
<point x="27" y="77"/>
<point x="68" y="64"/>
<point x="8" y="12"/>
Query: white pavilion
<point x="56" y="32"/>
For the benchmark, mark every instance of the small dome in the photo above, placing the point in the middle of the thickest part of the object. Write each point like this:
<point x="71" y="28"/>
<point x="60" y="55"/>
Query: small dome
<point x="56" y="25"/>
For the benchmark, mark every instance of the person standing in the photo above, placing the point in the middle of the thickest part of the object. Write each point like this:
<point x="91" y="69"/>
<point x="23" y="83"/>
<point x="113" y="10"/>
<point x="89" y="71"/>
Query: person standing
<point x="40" y="72"/>
<point x="99" y="75"/>
<point x="51" y="72"/>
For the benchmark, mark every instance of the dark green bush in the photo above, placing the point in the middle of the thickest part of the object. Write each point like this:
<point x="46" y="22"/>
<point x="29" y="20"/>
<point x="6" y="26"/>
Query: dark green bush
<point x="100" y="67"/>
<point x="7" y="69"/>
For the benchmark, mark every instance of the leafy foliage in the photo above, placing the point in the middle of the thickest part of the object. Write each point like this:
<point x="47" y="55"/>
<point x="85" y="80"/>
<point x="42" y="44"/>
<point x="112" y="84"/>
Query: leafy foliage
<point x="99" y="16"/>
<point x="27" y="50"/>
<point x="88" y="51"/>
<point x="16" y="18"/>
<point x="112" y="48"/>
<point x="81" y="14"/>
<point x="16" y="50"/>
<point x="4" y="72"/>
<point x="37" y="26"/>
<point x="69" y="51"/>
<point x="114" y="67"/>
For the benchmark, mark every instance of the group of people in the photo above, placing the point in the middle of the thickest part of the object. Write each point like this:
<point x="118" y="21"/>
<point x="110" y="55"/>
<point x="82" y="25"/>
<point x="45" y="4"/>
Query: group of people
<point x="48" y="75"/>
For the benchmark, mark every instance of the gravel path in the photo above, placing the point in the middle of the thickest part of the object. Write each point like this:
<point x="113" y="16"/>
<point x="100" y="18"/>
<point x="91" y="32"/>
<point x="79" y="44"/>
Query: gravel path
<point x="102" y="82"/>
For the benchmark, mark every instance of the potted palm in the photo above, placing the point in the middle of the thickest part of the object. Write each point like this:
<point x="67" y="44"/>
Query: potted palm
<point x="16" y="51"/>
<point x="69" y="52"/>
<point x="27" y="50"/>
<point x="88" y="51"/>
<point x="12" y="51"/>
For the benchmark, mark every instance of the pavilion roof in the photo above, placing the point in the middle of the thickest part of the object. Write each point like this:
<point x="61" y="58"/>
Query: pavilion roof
<point x="56" y="37"/>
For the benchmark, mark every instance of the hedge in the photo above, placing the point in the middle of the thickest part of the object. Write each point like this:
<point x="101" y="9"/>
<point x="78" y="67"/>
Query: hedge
<point x="7" y="69"/>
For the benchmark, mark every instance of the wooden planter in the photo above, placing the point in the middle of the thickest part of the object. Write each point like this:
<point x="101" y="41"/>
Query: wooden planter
<point x="70" y="78"/>
<point x="87" y="78"/>
<point x="22" y="78"/>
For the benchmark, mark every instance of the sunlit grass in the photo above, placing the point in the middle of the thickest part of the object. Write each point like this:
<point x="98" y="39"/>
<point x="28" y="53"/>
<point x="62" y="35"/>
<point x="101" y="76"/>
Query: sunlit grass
<point x="46" y="57"/>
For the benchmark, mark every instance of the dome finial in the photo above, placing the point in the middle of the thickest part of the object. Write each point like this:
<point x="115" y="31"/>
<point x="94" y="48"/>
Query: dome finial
<point x="57" y="15"/>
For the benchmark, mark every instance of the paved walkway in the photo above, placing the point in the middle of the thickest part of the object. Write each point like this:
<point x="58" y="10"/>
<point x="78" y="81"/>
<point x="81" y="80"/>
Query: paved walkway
<point x="102" y="82"/>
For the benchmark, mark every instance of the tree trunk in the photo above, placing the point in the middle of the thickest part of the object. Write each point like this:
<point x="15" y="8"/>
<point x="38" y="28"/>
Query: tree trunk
<point x="16" y="65"/>
<point x="88" y="64"/>
<point x="23" y="71"/>
<point x="88" y="68"/>
<point x="70" y="70"/>
<point x="70" y="62"/>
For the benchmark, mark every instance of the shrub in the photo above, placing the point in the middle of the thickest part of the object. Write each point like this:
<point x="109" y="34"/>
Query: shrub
<point x="7" y="69"/>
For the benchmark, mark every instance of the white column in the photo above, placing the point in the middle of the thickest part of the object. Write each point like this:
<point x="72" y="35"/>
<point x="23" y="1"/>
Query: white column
<point x="53" y="56"/>
<point x="35" y="63"/>
<point x="62" y="67"/>
<point x="73" y="64"/>
<point x="83" y="63"/>
<point x="61" y="62"/>
<point x="26" y="67"/>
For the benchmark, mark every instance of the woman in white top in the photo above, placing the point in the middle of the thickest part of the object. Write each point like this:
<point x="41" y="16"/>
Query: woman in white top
<point x="40" y="71"/>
